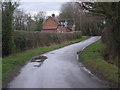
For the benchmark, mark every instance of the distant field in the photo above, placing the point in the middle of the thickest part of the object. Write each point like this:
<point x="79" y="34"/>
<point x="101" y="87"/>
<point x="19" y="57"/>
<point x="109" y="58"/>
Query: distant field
<point x="93" y="59"/>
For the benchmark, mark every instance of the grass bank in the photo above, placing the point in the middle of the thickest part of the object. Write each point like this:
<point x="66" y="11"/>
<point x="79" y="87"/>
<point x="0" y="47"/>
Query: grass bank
<point x="92" y="58"/>
<point x="13" y="63"/>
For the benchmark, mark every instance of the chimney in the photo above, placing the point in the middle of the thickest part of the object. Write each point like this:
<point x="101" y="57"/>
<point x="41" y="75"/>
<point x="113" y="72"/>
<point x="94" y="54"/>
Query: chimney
<point x="53" y="15"/>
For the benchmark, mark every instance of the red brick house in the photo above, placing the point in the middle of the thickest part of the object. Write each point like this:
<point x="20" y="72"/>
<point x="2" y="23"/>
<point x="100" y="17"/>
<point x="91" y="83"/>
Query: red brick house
<point x="52" y="24"/>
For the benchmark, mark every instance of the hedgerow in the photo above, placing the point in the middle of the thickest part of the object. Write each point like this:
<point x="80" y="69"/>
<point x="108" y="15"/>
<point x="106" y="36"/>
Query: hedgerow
<point x="24" y="40"/>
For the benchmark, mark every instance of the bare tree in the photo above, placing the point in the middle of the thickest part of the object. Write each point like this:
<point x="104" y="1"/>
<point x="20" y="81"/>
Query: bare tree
<point x="39" y="18"/>
<point x="70" y="10"/>
<point x="23" y="21"/>
<point x="88" y="24"/>
<point x="18" y="19"/>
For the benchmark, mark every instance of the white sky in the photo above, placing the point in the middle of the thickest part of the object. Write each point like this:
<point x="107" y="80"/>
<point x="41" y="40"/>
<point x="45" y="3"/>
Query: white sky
<point x="34" y="7"/>
<point x="48" y="6"/>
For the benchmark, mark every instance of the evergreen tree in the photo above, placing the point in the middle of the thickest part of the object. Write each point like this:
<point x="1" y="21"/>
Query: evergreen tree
<point x="7" y="27"/>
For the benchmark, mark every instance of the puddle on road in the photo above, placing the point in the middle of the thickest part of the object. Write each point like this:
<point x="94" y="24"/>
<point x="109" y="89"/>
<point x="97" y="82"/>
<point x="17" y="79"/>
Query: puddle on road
<point x="52" y="53"/>
<point x="38" y="65"/>
<point x="39" y="60"/>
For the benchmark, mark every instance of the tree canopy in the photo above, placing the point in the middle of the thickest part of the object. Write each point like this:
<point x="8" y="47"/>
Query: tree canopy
<point x="7" y="26"/>
<point x="110" y="34"/>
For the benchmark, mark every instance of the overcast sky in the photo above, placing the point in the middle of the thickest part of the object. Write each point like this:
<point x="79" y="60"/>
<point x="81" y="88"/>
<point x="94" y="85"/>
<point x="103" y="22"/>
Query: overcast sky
<point x="34" y="7"/>
<point x="48" y="6"/>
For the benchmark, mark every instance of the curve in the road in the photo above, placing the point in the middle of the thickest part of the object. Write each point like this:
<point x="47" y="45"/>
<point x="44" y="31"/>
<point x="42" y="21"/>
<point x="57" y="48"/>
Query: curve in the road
<point x="60" y="70"/>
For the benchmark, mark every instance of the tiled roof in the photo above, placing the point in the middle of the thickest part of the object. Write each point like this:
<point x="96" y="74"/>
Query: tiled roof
<point x="70" y="22"/>
<point x="56" y="19"/>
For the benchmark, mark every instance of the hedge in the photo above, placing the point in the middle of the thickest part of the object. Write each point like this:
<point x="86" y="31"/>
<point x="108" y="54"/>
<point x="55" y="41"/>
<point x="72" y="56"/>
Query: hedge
<point x="24" y="40"/>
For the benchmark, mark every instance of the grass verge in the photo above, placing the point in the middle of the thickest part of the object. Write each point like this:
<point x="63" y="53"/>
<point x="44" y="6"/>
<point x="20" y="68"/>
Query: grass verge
<point x="92" y="58"/>
<point x="13" y="63"/>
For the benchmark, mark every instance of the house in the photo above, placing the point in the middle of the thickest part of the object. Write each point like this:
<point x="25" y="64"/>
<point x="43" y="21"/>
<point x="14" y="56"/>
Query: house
<point x="53" y="24"/>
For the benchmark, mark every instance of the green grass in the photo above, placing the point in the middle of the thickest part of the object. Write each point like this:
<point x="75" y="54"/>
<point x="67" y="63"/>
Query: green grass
<point x="93" y="59"/>
<point x="14" y="62"/>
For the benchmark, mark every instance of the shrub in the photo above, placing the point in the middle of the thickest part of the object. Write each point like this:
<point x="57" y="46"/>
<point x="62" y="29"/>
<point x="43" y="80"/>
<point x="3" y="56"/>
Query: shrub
<point x="25" y="40"/>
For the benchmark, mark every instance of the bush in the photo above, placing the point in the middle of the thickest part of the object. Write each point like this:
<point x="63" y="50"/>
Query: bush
<point x="33" y="39"/>
<point x="111" y="40"/>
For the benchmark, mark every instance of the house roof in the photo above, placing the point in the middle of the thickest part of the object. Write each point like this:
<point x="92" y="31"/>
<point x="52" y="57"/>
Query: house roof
<point x="54" y="18"/>
<point x="70" y="22"/>
<point x="66" y="23"/>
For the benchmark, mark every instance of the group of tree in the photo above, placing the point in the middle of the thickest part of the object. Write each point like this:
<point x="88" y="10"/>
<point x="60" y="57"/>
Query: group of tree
<point x="97" y="18"/>
<point x="88" y="24"/>
<point x="26" y="21"/>
<point x="7" y="27"/>
<point x="16" y="19"/>
<point x="110" y="12"/>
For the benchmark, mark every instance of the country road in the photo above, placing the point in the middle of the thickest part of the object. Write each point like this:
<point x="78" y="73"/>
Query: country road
<point x="61" y="69"/>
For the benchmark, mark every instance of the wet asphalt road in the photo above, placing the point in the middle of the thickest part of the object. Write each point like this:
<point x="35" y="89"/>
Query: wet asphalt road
<point x="61" y="70"/>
